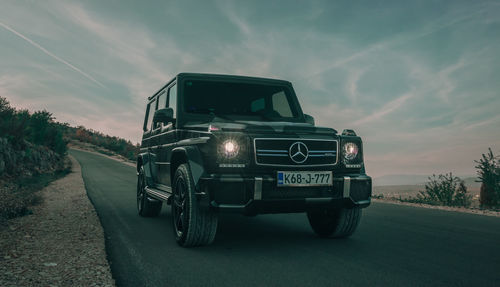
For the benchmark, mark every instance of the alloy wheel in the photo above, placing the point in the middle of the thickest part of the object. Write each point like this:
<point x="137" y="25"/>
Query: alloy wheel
<point x="179" y="207"/>
<point x="140" y="191"/>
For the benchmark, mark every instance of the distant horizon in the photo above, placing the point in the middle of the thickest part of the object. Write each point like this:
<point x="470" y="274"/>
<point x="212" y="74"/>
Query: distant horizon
<point x="377" y="177"/>
<point x="416" y="80"/>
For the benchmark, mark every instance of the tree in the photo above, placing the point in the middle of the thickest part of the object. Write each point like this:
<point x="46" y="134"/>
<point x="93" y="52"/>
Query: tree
<point x="489" y="175"/>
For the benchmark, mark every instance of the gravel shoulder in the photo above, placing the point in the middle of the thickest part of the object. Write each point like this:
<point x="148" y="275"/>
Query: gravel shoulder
<point x="60" y="244"/>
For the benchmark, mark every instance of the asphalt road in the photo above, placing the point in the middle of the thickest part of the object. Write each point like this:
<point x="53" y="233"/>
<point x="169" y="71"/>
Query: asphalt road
<point x="393" y="246"/>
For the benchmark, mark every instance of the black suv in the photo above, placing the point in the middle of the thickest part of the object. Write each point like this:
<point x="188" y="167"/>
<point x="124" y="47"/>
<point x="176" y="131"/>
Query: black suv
<point x="220" y="143"/>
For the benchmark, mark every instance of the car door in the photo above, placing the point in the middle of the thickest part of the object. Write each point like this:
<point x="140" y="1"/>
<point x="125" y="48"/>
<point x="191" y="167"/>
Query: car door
<point x="147" y="145"/>
<point x="168" y="138"/>
<point x="158" y="140"/>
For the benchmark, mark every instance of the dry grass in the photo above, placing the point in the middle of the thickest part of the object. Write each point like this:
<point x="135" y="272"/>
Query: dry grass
<point x="18" y="195"/>
<point x="60" y="244"/>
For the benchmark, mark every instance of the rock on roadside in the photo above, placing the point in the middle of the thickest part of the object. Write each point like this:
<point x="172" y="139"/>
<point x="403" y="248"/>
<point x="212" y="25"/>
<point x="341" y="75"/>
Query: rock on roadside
<point x="60" y="244"/>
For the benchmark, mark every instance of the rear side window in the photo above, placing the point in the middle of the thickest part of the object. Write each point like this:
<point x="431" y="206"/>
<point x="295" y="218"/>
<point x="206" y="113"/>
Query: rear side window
<point x="172" y="99"/>
<point x="150" y="111"/>
<point x="162" y="100"/>
<point x="162" y="103"/>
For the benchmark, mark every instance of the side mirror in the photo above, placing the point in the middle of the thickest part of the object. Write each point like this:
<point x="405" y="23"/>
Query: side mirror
<point x="309" y="119"/>
<point x="348" y="132"/>
<point x="164" y="116"/>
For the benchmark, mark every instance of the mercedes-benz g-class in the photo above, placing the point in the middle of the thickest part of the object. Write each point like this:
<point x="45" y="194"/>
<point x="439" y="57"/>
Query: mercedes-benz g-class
<point x="220" y="143"/>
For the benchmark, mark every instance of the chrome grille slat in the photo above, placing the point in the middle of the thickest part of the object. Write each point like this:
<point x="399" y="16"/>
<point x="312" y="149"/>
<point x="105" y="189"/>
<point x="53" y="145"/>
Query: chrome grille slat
<point x="270" y="154"/>
<point x="271" y="150"/>
<point x="275" y="152"/>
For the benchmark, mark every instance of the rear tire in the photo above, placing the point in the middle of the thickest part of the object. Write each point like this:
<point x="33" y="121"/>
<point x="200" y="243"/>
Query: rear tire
<point x="336" y="223"/>
<point x="146" y="206"/>
<point x="193" y="226"/>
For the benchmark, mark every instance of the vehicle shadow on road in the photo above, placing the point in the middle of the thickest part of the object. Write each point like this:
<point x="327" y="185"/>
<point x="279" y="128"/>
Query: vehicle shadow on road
<point x="278" y="232"/>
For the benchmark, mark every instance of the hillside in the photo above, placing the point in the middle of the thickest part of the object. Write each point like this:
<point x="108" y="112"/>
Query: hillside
<point x="33" y="149"/>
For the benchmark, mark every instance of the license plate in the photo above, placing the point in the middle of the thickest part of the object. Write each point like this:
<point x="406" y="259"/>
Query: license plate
<point x="304" y="178"/>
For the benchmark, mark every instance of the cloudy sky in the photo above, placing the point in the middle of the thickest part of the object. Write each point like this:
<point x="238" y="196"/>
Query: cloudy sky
<point x="418" y="80"/>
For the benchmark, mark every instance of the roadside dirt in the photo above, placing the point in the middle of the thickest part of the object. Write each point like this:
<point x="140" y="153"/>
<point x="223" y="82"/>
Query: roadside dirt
<point x="60" y="244"/>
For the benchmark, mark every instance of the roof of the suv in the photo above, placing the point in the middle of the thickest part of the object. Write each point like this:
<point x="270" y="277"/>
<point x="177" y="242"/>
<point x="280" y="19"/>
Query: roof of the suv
<point x="232" y="77"/>
<point x="222" y="77"/>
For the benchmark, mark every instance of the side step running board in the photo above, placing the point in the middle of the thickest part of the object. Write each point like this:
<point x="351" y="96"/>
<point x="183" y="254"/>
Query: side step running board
<point x="158" y="194"/>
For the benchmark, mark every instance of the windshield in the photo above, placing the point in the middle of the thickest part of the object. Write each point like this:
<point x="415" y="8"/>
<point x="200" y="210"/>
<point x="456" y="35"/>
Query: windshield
<point x="239" y="101"/>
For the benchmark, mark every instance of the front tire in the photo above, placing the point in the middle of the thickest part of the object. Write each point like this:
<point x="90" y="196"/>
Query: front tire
<point x="336" y="223"/>
<point x="146" y="206"/>
<point x="193" y="226"/>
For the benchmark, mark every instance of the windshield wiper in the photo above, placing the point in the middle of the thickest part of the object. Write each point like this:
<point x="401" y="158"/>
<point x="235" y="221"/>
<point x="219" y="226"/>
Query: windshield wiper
<point x="264" y="116"/>
<point x="218" y="116"/>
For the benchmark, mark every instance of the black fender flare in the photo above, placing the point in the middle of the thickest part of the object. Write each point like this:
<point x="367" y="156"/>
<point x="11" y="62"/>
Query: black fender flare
<point x="190" y="155"/>
<point x="147" y="160"/>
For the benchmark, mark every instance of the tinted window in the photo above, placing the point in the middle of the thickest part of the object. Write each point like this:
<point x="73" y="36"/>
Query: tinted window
<point x="280" y="105"/>
<point x="162" y="100"/>
<point x="239" y="100"/>
<point x="161" y="104"/>
<point x="172" y="99"/>
<point x="150" y="111"/>
<point x="258" y="105"/>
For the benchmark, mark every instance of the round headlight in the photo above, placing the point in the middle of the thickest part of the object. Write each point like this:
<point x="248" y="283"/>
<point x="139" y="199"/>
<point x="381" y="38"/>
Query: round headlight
<point x="350" y="151"/>
<point x="230" y="148"/>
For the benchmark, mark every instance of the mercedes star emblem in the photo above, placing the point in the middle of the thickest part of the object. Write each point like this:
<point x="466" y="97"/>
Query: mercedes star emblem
<point x="298" y="152"/>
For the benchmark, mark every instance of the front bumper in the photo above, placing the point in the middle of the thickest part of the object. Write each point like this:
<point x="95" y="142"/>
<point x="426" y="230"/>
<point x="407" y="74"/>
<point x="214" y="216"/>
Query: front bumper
<point x="260" y="194"/>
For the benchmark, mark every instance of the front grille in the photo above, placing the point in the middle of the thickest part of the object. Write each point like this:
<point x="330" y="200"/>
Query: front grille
<point x="313" y="152"/>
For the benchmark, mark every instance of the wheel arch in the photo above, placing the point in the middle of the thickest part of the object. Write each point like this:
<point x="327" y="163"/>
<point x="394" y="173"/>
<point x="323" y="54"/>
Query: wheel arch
<point x="145" y="160"/>
<point x="190" y="155"/>
<point x="139" y="163"/>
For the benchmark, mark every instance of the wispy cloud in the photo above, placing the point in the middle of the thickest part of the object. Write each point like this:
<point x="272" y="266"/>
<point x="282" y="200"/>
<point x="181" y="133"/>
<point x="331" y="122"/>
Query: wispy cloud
<point x="494" y="120"/>
<point x="386" y="109"/>
<point x="235" y="19"/>
<point x="410" y="84"/>
<point x="33" y="43"/>
<point x="352" y="84"/>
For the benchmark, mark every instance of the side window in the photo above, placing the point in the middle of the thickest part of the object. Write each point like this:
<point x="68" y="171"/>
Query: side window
<point x="281" y="105"/>
<point x="161" y="104"/>
<point x="162" y="100"/>
<point x="172" y="99"/>
<point x="150" y="111"/>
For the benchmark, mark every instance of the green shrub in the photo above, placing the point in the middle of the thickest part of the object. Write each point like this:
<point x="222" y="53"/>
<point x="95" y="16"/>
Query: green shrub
<point x="447" y="190"/>
<point x="489" y="174"/>
<point x="38" y="128"/>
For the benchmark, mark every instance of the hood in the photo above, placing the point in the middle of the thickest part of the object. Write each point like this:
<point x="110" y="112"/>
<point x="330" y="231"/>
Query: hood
<point x="263" y="127"/>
